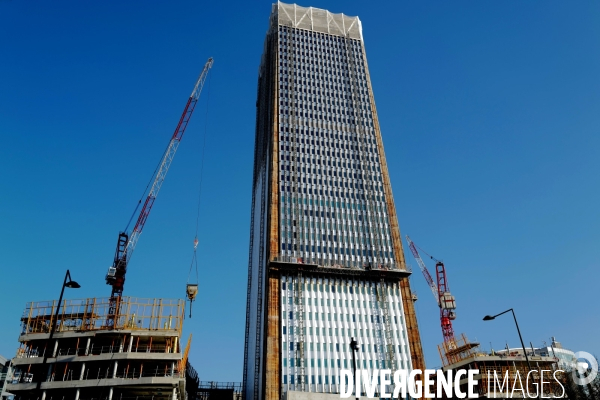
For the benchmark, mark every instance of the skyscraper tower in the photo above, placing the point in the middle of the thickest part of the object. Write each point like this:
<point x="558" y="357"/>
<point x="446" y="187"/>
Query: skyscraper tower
<point x="326" y="262"/>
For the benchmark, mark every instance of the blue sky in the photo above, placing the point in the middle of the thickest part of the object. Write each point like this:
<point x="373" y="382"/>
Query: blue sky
<point x="489" y="115"/>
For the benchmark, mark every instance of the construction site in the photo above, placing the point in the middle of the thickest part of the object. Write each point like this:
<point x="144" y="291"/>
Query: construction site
<point x="114" y="347"/>
<point x="91" y="349"/>
<point x="303" y="300"/>
<point x="498" y="372"/>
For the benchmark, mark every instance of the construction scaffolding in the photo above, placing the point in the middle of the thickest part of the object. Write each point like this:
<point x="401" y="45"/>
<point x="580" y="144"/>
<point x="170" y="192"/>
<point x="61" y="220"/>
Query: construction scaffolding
<point x="90" y="315"/>
<point x="457" y="350"/>
<point x="139" y="356"/>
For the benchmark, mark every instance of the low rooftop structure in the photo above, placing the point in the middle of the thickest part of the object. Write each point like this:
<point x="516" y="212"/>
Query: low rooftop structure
<point x="500" y="373"/>
<point x="208" y="390"/>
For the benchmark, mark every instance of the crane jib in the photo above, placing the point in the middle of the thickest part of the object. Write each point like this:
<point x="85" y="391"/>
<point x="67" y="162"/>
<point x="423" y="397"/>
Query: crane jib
<point x="126" y="244"/>
<point x="426" y="274"/>
<point x="144" y="214"/>
<point x="185" y="118"/>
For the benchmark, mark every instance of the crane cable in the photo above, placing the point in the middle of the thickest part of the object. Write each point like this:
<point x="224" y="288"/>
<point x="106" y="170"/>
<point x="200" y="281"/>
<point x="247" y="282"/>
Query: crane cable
<point x="427" y="254"/>
<point x="194" y="256"/>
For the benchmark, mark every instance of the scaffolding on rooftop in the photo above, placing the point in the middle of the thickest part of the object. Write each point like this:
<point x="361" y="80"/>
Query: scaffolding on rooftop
<point x="457" y="350"/>
<point x="91" y="314"/>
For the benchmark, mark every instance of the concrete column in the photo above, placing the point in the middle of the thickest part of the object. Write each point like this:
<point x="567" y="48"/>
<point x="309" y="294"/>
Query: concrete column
<point x="110" y="393"/>
<point x="175" y="345"/>
<point x="82" y="371"/>
<point x="44" y="395"/>
<point x="114" y="374"/>
<point x="121" y="345"/>
<point x="174" y="394"/>
<point x="8" y="373"/>
<point x="55" y="348"/>
<point x="130" y="344"/>
<point x="172" y="369"/>
<point x="77" y="395"/>
<point x="87" y="347"/>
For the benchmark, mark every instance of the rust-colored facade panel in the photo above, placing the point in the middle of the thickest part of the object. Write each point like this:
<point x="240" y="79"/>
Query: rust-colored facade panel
<point x="272" y="381"/>
<point x="272" y="378"/>
<point x="412" y="328"/>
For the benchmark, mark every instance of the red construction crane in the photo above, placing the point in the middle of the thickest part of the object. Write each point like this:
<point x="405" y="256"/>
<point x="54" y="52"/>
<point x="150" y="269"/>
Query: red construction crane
<point x="126" y="242"/>
<point x="441" y="293"/>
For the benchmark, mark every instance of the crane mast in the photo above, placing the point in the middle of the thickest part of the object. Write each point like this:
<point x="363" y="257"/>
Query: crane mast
<point x="126" y="242"/>
<point x="441" y="293"/>
<point x="446" y="302"/>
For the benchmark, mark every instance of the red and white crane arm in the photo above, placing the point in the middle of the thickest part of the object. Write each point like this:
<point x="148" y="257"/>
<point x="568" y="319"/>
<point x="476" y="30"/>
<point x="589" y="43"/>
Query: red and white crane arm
<point x="168" y="158"/>
<point x="428" y="277"/>
<point x="126" y="244"/>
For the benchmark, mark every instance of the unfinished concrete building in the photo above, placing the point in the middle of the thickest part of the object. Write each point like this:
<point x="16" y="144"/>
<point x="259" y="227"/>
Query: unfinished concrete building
<point x="140" y="357"/>
<point x="501" y="375"/>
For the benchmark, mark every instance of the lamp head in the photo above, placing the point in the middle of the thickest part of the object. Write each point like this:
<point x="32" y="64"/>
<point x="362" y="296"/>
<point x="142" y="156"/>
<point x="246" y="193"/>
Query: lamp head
<point x="488" y="318"/>
<point x="72" y="285"/>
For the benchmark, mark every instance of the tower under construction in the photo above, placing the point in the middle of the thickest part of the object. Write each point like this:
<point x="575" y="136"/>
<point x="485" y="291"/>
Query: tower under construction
<point x="326" y="262"/>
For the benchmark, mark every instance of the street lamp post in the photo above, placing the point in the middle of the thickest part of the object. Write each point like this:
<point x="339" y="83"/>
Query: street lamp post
<point x="354" y="347"/>
<point x="489" y="318"/>
<point x="70" y="284"/>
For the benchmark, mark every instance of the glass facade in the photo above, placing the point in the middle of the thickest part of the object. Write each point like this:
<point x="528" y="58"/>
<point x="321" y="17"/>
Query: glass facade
<point x="321" y="315"/>
<point x="333" y="210"/>
<point x="325" y="260"/>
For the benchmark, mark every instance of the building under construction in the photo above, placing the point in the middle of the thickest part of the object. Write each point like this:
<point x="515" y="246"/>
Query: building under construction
<point x="140" y="357"/>
<point x="326" y="262"/>
<point x="116" y="347"/>
<point x="500" y="374"/>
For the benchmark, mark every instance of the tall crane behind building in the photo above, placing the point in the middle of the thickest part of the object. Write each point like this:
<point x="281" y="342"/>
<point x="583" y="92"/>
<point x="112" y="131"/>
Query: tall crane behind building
<point x="441" y="292"/>
<point x="126" y="242"/>
<point x="453" y="349"/>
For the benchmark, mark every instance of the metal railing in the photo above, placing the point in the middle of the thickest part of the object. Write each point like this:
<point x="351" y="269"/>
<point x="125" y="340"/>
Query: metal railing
<point x="72" y="374"/>
<point x="126" y="373"/>
<point x="236" y="386"/>
<point x="91" y="314"/>
<point x="323" y="262"/>
<point x="95" y="350"/>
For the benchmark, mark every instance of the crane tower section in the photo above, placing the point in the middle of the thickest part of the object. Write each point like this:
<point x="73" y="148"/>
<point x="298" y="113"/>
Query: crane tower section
<point x="441" y="293"/>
